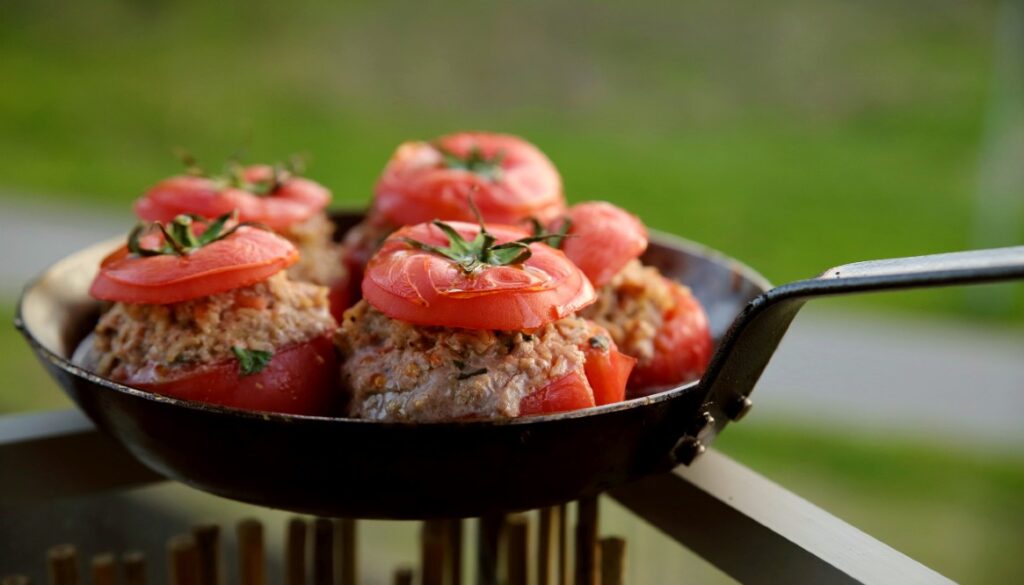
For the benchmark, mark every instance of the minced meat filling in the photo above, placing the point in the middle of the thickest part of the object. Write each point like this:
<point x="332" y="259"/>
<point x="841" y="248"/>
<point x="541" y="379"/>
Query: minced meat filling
<point x="319" y="256"/>
<point x="398" y="371"/>
<point x="151" y="343"/>
<point x="632" y="308"/>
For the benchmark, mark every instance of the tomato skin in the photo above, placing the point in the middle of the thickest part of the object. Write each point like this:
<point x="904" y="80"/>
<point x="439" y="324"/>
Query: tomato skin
<point x="682" y="347"/>
<point x="340" y="298"/>
<point x="298" y="380"/>
<point x="416" y="186"/>
<point x="295" y="201"/>
<point x="607" y="370"/>
<point x="570" y="392"/>
<point x="424" y="288"/>
<point x="604" y="239"/>
<point x="248" y="256"/>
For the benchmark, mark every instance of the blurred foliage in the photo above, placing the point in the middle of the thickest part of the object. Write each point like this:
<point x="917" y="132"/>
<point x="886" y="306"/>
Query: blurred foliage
<point x="796" y="135"/>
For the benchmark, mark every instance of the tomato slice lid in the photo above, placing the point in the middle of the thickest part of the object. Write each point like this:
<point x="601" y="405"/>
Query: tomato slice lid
<point x="243" y="256"/>
<point x="509" y="179"/>
<point x="409" y="281"/>
<point x="603" y="239"/>
<point x="260" y="193"/>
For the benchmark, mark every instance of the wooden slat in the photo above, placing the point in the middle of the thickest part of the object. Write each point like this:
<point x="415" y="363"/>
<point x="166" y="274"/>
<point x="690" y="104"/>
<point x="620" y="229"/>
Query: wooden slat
<point x="586" y="542"/>
<point x="433" y="545"/>
<point x="251" y="564"/>
<point x="134" y="563"/>
<point x="62" y="561"/>
<point x="346" y="551"/>
<point x="295" y="552"/>
<point x="489" y="538"/>
<point x="758" y="532"/>
<point x="613" y="561"/>
<point x="403" y="576"/>
<point x="517" y="547"/>
<point x="453" y="566"/>
<point x="549" y="546"/>
<point x="207" y="537"/>
<point x="323" y="552"/>
<point x="183" y="560"/>
<point x="104" y="569"/>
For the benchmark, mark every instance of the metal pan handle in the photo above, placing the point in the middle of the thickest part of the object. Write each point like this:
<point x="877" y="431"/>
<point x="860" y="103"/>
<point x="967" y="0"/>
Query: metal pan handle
<point x="755" y="334"/>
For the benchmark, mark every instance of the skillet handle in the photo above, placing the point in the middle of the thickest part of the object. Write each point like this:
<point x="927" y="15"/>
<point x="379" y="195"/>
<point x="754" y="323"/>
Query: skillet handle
<point x="755" y="334"/>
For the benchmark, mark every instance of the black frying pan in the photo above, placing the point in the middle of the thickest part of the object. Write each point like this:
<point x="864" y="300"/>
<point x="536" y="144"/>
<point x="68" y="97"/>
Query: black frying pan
<point x="355" y="468"/>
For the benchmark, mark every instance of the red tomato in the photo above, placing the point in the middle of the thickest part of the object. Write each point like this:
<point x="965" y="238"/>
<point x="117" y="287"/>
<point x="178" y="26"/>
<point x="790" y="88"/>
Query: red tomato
<point x="248" y="256"/>
<point x="298" y="380"/>
<point x="419" y="186"/>
<point x="682" y="347"/>
<point x="296" y="200"/>
<point x="607" y="368"/>
<point x="604" y="239"/>
<point x="570" y="392"/>
<point x="425" y="288"/>
<point x="340" y="298"/>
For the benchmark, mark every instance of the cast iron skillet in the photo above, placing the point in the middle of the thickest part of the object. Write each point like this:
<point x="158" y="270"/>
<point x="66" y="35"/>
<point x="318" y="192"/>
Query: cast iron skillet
<point x="354" y="468"/>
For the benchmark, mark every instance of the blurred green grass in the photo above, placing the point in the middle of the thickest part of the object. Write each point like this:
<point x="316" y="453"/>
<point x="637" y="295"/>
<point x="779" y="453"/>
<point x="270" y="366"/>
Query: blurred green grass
<point x="795" y="136"/>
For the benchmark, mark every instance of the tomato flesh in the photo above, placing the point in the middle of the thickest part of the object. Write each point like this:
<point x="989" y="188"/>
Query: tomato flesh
<point x="604" y="239"/>
<point x="417" y="186"/>
<point x="296" y="200"/>
<point x="570" y="392"/>
<point x="682" y="346"/>
<point x="607" y="372"/>
<point x="298" y="380"/>
<point x="248" y="256"/>
<point x="425" y="288"/>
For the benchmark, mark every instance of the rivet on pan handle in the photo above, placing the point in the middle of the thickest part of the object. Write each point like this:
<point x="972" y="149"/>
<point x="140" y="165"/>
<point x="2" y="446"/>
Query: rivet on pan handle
<point x="751" y="340"/>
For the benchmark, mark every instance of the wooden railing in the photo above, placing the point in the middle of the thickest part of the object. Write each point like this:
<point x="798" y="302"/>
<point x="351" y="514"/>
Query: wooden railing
<point x="744" y="524"/>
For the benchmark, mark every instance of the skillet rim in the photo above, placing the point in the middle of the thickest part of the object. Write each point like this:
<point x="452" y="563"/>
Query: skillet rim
<point x="690" y="247"/>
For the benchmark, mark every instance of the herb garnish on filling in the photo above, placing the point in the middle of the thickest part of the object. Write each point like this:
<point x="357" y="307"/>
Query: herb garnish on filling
<point x="251" y="361"/>
<point x="180" y="238"/>
<point x="474" y="161"/>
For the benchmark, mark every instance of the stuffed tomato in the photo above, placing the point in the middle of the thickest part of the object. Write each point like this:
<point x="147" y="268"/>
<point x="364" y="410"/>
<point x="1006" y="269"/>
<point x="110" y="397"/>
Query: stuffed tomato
<point x="275" y="196"/>
<point x="506" y="177"/>
<point x="207" y="312"/>
<point x="459" y="321"/>
<point x="651" y="318"/>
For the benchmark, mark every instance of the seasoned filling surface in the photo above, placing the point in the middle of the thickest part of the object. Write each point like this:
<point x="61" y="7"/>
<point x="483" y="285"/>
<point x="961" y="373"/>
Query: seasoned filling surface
<point x="152" y="343"/>
<point x="319" y="256"/>
<point x="632" y="308"/>
<point x="402" y="372"/>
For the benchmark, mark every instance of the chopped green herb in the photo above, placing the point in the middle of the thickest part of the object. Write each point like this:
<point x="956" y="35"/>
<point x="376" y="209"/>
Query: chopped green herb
<point x="598" y="342"/>
<point x="251" y="361"/>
